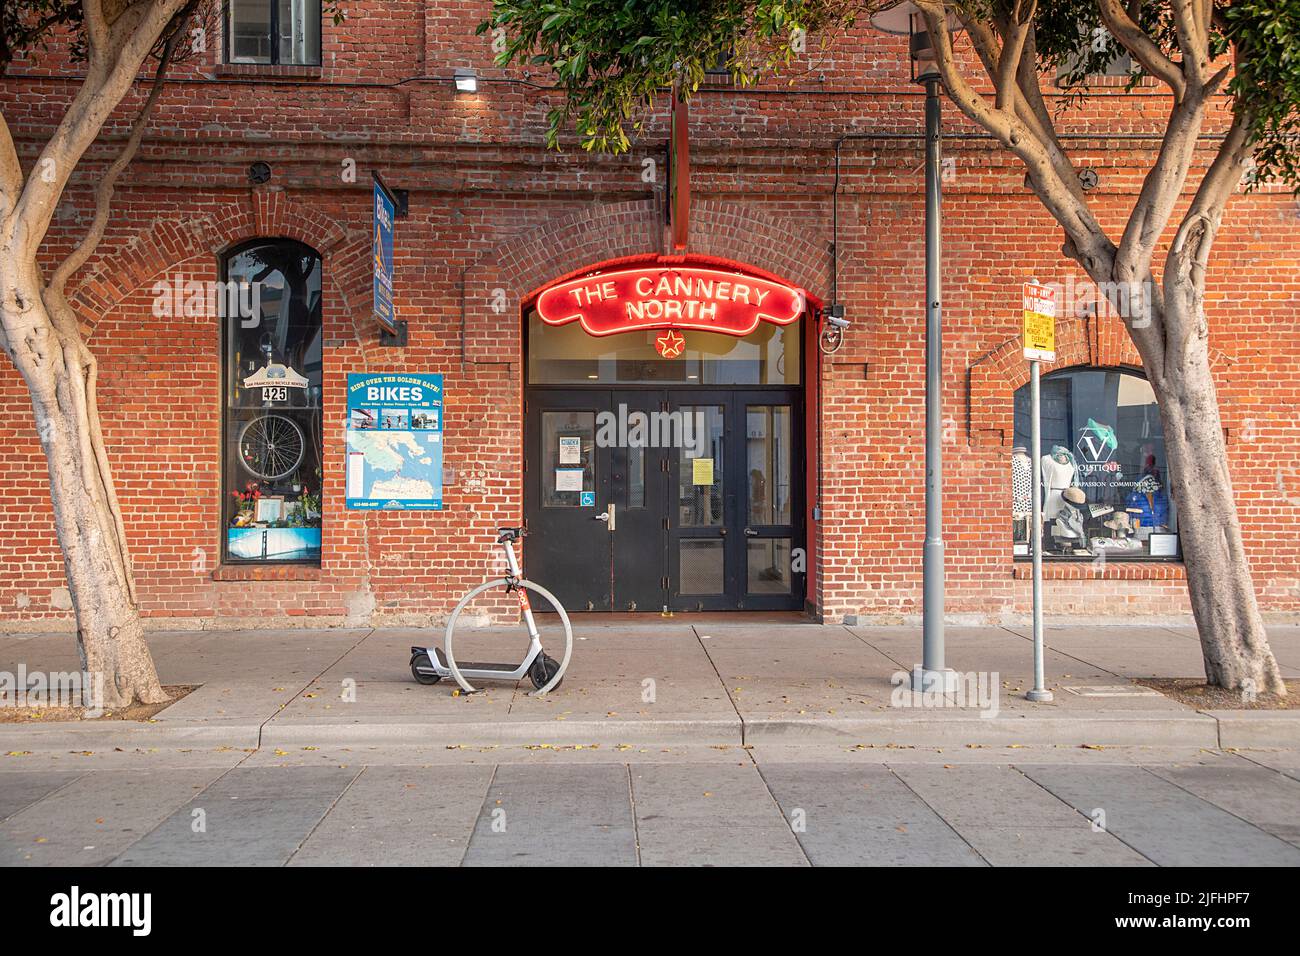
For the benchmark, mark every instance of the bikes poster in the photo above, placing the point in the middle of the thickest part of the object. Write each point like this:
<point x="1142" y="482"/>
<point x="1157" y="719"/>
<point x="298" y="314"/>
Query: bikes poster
<point x="394" y="441"/>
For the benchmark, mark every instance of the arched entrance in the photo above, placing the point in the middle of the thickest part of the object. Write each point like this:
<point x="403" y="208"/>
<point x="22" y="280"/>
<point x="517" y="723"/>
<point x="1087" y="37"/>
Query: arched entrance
<point x="665" y="441"/>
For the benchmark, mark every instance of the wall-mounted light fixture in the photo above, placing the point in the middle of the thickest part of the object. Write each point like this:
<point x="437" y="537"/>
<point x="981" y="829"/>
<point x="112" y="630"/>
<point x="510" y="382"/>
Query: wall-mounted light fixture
<point x="466" y="80"/>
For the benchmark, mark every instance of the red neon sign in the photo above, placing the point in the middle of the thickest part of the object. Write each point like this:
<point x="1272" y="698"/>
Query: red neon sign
<point x="708" y="300"/>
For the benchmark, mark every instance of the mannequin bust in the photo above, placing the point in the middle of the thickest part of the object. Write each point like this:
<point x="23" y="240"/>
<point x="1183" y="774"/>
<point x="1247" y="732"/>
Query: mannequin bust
<point x="1058" y="474"/>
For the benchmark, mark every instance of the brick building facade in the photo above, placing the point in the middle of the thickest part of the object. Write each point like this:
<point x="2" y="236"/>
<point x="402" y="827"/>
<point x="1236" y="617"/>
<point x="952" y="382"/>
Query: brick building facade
<point x="826" y="159"/>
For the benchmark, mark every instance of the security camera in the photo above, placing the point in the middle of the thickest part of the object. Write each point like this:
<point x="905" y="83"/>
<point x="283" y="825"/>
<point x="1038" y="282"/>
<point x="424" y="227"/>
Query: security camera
<point x="836" y="318"/>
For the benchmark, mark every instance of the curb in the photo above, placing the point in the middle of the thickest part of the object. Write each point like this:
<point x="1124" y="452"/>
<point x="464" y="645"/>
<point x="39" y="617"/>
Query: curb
<point x="1245" y="729"/>
<point x="129" y="735"/>
<point x="1215" y="730"/>
<point x="1115" y="730"/>
<point x="403" y="732"/>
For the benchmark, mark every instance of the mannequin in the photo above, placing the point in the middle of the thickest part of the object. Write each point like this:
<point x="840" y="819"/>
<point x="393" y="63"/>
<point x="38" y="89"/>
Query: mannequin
<point x="1059" y="471"/>
<point x="1022" y="492"/>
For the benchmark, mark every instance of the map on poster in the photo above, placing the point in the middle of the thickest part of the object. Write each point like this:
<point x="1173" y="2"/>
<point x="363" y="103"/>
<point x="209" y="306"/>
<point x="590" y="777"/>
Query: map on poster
<point x="394" y="439"/>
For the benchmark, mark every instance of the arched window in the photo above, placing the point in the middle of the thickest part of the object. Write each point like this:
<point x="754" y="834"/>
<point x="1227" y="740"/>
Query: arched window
<point x="270" y="310"/>
<point x="1104" y="471"/>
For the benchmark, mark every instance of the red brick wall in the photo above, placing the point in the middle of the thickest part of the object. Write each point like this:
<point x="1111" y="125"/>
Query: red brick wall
<point x="491" y="209"/>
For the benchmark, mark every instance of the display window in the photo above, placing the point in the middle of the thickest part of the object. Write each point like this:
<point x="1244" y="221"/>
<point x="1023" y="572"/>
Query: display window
<point x="1104" y="488"/>
<point x="272" y="404"/>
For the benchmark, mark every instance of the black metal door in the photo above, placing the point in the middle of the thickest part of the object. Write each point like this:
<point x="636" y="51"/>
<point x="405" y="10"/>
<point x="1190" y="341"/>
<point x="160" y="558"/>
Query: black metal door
<point x="736" y="513"/>
<point x="638" y="494"/>
<point x="770" y="459"/>
<point x="567" y="481"/>
<point x="693" y="499"/>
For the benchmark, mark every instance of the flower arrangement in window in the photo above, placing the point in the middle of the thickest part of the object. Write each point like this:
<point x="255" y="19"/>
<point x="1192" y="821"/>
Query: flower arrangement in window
<point x="246" y="501"/>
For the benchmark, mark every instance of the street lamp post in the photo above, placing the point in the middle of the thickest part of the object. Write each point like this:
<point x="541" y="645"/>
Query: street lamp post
<point x="932" y="673"/>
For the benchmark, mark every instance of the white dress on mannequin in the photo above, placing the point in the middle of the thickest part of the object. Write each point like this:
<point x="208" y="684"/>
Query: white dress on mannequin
<point x="1057" y="476"/>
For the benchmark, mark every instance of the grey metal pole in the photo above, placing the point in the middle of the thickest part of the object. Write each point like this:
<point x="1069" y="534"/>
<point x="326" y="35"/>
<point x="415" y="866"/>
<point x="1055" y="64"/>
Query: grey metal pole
<point x="1039" y="693"/>
<point x="934" y="674"/>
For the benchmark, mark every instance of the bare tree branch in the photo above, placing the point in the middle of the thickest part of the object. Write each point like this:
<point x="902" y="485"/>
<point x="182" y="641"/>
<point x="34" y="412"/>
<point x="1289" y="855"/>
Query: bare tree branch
<point x="1193" y="42"/>
<point x="1013" y="45"/>
<point x="108" y="182"/>
<point x="11" y="171"/>
<point x="1134" y="39"/>
<point x="1086" y="236"/>
<point x="131" y="37"/>
<point x="1164" y="182"/>
<point x="1029" y="104"/>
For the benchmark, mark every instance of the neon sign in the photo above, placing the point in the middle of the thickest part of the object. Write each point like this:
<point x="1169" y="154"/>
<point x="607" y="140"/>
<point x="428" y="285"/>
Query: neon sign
<point x="708" y="300"/>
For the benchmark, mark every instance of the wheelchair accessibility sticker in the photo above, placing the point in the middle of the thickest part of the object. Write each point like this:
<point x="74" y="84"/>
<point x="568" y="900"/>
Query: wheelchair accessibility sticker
<point x="587" y="499"/>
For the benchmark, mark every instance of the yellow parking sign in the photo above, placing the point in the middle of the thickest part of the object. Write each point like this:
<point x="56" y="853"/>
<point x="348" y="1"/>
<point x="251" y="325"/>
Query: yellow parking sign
<point x="1040" y="322"/>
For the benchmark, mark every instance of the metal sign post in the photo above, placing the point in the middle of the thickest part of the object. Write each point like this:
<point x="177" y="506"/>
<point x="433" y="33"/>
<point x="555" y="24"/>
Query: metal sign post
<point x="1039" y="304"/>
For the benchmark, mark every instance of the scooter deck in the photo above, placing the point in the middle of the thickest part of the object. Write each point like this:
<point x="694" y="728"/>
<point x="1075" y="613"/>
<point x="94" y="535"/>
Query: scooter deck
<point x="476" y="665"/>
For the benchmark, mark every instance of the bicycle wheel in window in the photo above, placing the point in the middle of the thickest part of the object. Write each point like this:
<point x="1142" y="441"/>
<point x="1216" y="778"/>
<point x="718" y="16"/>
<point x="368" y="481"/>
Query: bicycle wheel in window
<point x="471" y="636"/>
<point x="271" y="446"/>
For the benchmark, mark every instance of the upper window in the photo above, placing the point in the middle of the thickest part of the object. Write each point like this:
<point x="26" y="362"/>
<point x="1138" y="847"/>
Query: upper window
<point x="272" y="403"/>
<point x="566" y="355"/>
<point x="1103" y="466"/>
<point x="273" y="31"/>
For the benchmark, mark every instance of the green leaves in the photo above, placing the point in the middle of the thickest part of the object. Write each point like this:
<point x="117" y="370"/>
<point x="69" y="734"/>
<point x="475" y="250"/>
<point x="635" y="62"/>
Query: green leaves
<point x="1266" y="87"/>
<point x="611" y="58"/>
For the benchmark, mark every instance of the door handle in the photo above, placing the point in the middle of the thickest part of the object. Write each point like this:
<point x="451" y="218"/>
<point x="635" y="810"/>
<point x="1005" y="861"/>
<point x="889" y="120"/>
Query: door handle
<point x="751" y="533"/>
<point x="606" y="516"/>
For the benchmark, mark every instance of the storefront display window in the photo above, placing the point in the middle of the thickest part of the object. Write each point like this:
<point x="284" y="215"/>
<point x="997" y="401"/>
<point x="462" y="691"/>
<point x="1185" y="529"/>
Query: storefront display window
<point x="1104" y="487"/>
<point x="272" y="404"/>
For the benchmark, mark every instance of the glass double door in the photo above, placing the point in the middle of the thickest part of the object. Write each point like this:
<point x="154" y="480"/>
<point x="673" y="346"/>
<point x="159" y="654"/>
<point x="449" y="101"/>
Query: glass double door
<point x="690" y="499"/>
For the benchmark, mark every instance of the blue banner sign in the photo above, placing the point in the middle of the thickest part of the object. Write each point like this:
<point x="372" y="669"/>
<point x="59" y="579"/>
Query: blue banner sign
<point x="385" y="212"/>
<point x="394" y="441"/>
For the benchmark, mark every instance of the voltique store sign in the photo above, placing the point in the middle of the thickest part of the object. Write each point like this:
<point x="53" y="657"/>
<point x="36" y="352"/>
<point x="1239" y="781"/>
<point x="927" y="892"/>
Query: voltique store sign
<point x="708" y="300"/>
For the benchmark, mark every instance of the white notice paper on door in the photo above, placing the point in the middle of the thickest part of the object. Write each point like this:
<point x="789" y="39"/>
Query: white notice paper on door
<point x="570" y="449"/>
<point x="568" y="479"/>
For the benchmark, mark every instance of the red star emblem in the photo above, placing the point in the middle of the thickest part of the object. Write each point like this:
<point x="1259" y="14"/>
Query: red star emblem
<point x="670" y="344"/>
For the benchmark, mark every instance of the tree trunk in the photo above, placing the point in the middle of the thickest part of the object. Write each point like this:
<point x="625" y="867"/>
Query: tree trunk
<point x="56" y="366"/>
<point x="1233" y="641"/>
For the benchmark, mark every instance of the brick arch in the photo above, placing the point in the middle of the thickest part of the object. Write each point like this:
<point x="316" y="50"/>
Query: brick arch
<point x="1095" y="340"/>
<point x="122" y="268"/>
<point x="505" y="276"/>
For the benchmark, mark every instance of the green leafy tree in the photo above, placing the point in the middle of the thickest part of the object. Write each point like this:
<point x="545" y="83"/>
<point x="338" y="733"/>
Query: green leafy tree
<point x="612" y="58"/>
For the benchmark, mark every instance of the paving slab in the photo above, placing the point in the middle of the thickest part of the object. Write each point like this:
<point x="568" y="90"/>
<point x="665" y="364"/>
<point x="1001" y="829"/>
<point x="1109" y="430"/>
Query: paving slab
<point x="20" y="790"/>
<point x="710" y="815"/>
<point x="1286" y="762"/>
<point x="1146" y="651"/>
<point x="92" y="820"/>
<point x="1163" y="822"/>
<point x="863" y="816"/>
<point x="974" y="649"/>
<point x="1010" y="820"/>
<point x="399" y="816"/>
<point x="560" y="816"/>
<point x="250" y="817"/>
<point x="1266" y="798"/>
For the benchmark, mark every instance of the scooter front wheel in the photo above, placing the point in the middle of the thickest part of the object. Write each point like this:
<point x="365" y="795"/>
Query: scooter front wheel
<point x="555" y="633"/>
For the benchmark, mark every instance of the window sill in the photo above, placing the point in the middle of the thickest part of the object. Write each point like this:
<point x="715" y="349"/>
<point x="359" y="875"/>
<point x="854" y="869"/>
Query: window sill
<point x="1112" y="570"/>
<point x="269" y="70"/>
<point x="267" y="572"/>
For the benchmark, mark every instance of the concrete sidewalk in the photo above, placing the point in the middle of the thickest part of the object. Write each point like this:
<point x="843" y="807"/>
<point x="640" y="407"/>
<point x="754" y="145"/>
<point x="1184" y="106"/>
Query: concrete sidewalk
<point x="674" y="682"/>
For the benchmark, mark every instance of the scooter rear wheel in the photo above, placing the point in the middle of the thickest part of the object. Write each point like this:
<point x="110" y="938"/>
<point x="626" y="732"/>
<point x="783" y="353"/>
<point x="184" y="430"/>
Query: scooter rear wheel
<point x="422" y="660"/>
